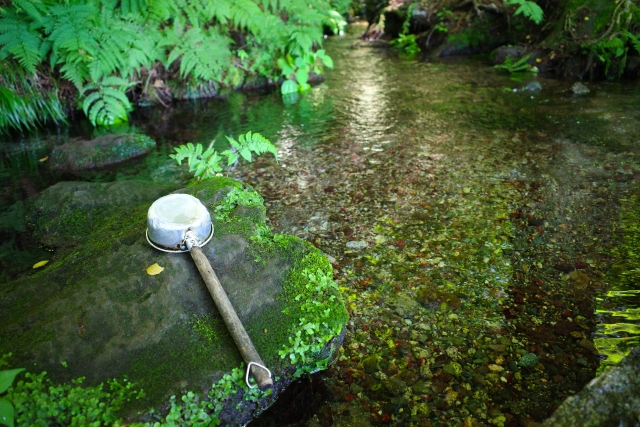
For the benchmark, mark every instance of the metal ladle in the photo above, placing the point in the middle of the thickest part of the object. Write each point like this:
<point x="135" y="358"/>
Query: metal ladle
<point x="181" y="223"/>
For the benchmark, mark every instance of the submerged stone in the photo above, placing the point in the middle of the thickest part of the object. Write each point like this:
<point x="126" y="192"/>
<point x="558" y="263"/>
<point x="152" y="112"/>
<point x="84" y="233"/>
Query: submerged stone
<point x="93" y="310"/>
<point x="528" y="359"/>
<point x="579" y="89"/>
<point x="102" y="151"/>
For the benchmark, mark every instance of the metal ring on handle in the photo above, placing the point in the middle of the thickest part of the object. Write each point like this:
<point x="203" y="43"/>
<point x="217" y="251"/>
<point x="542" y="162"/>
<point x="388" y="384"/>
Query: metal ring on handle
<point x="183" y="247"/>
<point x="246" y="377"/>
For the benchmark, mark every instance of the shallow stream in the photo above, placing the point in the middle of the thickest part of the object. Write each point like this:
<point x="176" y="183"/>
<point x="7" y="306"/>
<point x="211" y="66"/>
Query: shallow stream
<point x="482" y="235"/>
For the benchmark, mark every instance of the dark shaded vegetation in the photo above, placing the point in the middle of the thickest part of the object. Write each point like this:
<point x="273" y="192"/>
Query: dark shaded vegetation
<point x="104" y="56"/>
<point x="584" y="39"/>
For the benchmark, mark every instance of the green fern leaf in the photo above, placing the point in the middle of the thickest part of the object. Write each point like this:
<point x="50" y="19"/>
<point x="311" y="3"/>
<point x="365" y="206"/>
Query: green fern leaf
<point x="89" y="101"/>
<point x="106" y="102"/>
<point x="205" y="54"/>
<point x="634" y="40"/>
<point x="529" y="9"/>
<point x="19" y="42"/>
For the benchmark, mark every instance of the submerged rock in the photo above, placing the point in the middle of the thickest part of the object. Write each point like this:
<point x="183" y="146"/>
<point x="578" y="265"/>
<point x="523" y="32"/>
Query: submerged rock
<point x="612" y="399"/>
<point x="532" y="87"/>
<point x="579" y="89"/>
<point x="93" y="311"/>
<point x="102" y="151"/>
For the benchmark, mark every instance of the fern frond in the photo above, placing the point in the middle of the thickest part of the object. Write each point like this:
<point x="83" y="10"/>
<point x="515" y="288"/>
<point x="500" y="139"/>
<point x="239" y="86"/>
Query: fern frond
<point x="205" y="54"/>
<point x="634" y="40"/>
<point x="106" y="102"/>
<point x="18" y="41"/>
<point x="135" y="7"/>
<point x="529" y="9"/>
<point x="159" y="10"/>
<point x="76" y="72"/>
<point x="33" y="9"/>
<point x="245" y="14"/>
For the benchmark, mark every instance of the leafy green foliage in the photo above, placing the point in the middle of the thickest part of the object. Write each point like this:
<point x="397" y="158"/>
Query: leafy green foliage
<point x="312" y="335"/>
<point x="6" y="407"/>
<point x="205" y="53"/>
<point x="296" y="70"/>
<point x="22" y="101"/>
<point x="529" y="9"/>
<point x="207" y="164"/>
<point x="336" y="22"/>
<point x="513" y="67"/>
<point x="90" y="43"/>
<point x="37" y="399"/>
<point x="18" y="40"/>
<point x="608" y="50"/>
<point x="406" y="42"/>
<point x="105" y="102"/>
<point x="635" y="42"/>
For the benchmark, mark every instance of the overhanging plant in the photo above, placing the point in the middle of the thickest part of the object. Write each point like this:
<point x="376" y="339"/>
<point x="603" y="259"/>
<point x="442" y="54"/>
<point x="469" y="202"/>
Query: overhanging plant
<point x="296" y="70"/>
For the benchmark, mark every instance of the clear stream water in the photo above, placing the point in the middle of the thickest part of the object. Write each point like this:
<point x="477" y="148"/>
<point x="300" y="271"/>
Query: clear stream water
<point x="471" y="225"/>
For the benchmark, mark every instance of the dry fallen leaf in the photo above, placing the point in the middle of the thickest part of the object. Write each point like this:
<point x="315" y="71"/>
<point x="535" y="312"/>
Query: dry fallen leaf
<point x="154" y="269"/>
<point x="40" y="264"/>
<point x="44" y="159"/>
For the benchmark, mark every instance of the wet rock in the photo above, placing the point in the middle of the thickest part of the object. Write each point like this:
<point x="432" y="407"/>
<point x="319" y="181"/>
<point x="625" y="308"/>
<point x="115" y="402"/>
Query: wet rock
<point x="498" y="348"/>
<point x="421" y="387"/>
<point x="529" y="359"/>
<point x="535" y="222"/>
<point x="589" y="345"/>
<point x="99" y="152"/>
<point x="579" y="89"/>
<point x="532" y="87"/>
<point x="579" y="279"/>
<point x="564" y="327"/>
<point x="501" y="53"/>
<point x="356" y="244"/>
<point x="612" y="399"/>
<point x="95" y="308"/>
<point x="370" y="365"/>
<point x="68" y="212"/>
<point x="395" y="386"/>
<point x="325" y="416"/>
<point x="453" y="368"/>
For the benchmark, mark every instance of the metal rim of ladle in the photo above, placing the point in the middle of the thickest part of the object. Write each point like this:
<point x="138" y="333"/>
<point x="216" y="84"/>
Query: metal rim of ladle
<point x="183" y="246"/>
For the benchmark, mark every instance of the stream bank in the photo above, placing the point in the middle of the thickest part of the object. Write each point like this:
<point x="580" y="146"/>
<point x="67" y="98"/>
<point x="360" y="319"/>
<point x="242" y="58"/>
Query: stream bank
<point x="582" y="40"/>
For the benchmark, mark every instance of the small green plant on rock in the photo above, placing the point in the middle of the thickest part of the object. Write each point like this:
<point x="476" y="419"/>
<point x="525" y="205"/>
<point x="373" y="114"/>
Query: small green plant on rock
<point x="208" y="163"/>
<point x="406" y="42"/>
<point x="515" y="67"/>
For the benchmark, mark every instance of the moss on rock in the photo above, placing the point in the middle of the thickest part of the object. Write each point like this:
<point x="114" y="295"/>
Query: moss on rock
<point x="96" y="309"/>
<point x="101" y="151"/>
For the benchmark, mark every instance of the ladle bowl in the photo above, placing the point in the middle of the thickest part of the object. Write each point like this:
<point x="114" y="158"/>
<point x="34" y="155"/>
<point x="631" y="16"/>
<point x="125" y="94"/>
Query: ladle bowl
<point x="170" y="217"/>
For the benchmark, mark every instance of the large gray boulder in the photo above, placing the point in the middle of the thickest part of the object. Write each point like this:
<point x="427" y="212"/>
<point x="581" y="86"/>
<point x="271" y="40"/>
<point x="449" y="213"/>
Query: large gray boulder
<point x="94" y="312"/>
<point x="102" y="151"/>
<point x="609" y="400"/>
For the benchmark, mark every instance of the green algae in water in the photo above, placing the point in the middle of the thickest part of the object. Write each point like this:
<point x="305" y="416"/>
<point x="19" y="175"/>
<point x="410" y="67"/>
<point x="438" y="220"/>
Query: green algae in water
<point x="619" y="308"/>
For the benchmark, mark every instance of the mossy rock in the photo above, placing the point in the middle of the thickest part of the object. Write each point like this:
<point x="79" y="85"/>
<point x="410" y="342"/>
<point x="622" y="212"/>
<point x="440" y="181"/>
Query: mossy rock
<point x="93" y="311"/>
<point x="612" y="399"/>
<point x="102" y="151"/>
